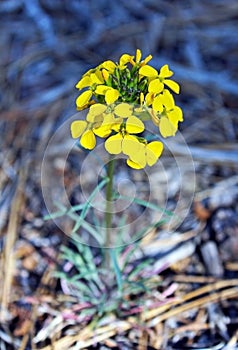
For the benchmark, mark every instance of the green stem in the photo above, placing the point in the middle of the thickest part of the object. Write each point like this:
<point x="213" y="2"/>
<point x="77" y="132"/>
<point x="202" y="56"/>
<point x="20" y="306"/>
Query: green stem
<point x="108" y="213"/>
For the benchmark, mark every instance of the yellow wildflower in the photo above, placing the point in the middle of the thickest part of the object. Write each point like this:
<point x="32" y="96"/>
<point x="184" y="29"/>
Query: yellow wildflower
<point x="121" y="97"/>
<point x="87" y="129"/>
<point x="90" y="80"/>
<point x="166" y="114"/>
<point x="160" y="78"/>
<point x="111" y="94"/>
<point x="93" y="76"/>
<point x="109" y="66"/>
<point x="124" y="59"/>
<point x="138" y="59"/>
<point x="123" y="141"/>
<point x="147" y="154"/>
<point x="83" y="99"/>
<point x="79" y="129"/>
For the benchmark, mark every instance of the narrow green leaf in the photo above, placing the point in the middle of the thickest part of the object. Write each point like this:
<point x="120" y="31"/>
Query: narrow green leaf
<point x="88" y="204"/>
<point x="116" y="268"/>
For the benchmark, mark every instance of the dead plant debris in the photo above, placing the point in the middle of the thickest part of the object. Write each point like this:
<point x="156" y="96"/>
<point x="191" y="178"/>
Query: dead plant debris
<point x="192" y="302"/>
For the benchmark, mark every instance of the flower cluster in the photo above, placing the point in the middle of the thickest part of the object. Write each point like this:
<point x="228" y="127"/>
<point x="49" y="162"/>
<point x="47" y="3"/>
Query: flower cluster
<point x="121" y="97"/>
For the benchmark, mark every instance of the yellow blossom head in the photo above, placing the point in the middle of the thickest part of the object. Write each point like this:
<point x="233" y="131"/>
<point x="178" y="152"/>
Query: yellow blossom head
<point x="122" y="96"/>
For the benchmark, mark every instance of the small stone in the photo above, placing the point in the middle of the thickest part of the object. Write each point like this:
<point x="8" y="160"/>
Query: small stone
<point x="211" y="259"/>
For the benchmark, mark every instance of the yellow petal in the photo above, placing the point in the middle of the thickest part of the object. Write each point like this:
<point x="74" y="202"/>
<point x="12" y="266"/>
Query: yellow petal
<point x="155" y="86"/>
<point x="105" y="74"/>
<point x="77" y="128"/>
<point x="165" y="72"/>
<point x="117" y="126"/>
<point x="167" y="99"/>
<point x="83" y="99"/>
<point x="172" y="85"/>
<point x="149" y="98"/>
<point x="134" y="125"/>
<point x="138" y="55"/>
<point x="89" y="72"/>
<point x="179" y="113"/>
<point x="133" y="165"/>
<point x="111" y="120"/>
<point x="166" y="127"/>
<point x="97" y="78"/>
<point x="124" y="59"/>
<point x="101" y="89"/>
<point x="157" y="104"/>
<point x="148" y="71"/>
<point x="155" y="118"/>
<point x="113" y="144"/>
<point x="123" y="110"/>
<point x="153" y="152"/>
<point x="111" y="96"/>
<point x="96" y="120"/>
<point x="147" y="59"/>
<point x="130" y="145"/>
<point x="88" y="140"/>
<point x="95" y="110"/>
<point x="142" y="98"/>
<point x="109" y="124"/>
<point x="175" y="116"/>
<point x="138" y="154"/>
<point x="103" y="130"/>
<point x="109" y="66"/>
<point x="84" y="82"/>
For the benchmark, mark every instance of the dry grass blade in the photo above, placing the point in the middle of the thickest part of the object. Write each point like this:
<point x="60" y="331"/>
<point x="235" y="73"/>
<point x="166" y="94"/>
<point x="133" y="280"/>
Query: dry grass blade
<point x="232" y="342"/>
<point x="159" y="314"/>
<point x="206" y="289"/>
<point x="88" y="337"/>
<point x="8" y="253"/>
<point x="194" y="279"/>
<point x="223" y="295"/>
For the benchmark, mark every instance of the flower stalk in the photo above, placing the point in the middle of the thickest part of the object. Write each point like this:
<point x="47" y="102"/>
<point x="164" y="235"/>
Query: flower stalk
<point x="109" y="191"/>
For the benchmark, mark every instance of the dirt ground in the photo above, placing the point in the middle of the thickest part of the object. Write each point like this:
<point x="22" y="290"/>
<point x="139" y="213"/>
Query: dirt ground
<point x="45" y="48"/>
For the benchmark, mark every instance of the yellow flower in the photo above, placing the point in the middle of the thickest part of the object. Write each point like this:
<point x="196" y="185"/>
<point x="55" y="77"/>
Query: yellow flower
<point x="87" y="129"/>
<point x="108" y="124"/>
<point x="148" y="71"/>
<point x="123" y="141"/>
<point x="166" y="114"/>
<point x="79" y="129"/>
<point x="100" y="121"/>
<point x="155" y="86"/>
<point x="123" y="110"/>
<point x="90" y="80"/>
<point x="147" y="154"/>
<point x="111" y="119"/>
<point x="83" y="99"/>
<point x="111" y="94"/>
<point x="160" y="78"/>
<point x="122" y="96"/>
<point x="124" y="59"/>
<point x="166" y="73"/>
<point x="109" y="66"/>
<point x="138" y="59"/>
<point x="84" y="82"/>
<point x="93" y="76"/>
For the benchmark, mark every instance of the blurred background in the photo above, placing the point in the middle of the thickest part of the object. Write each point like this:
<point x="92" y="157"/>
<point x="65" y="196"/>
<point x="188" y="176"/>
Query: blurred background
<point x="45" y="47"/>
